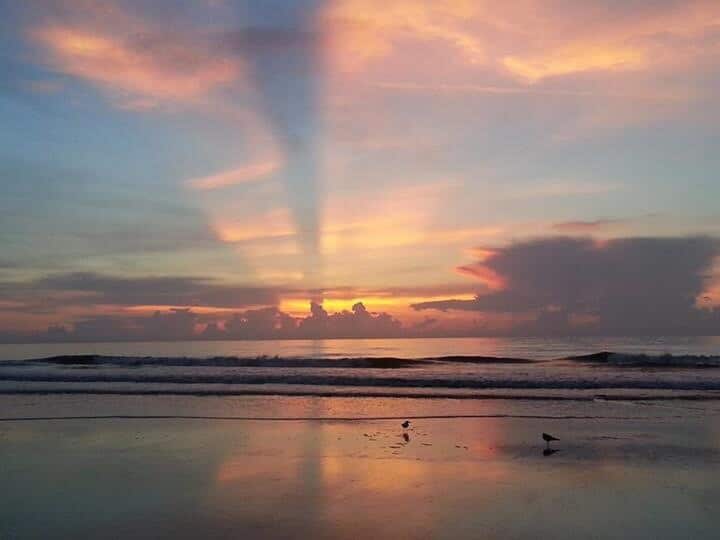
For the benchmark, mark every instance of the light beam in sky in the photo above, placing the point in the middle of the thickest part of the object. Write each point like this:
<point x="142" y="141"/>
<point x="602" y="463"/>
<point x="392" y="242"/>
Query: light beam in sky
<point x="283" y="49"/>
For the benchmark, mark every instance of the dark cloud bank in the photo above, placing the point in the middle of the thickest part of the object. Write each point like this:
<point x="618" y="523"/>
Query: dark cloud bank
<point x="50" y="294"/>
<point x="185" y="324"/>
<point x="551" y="286"/>
<point x="630" y="286"/>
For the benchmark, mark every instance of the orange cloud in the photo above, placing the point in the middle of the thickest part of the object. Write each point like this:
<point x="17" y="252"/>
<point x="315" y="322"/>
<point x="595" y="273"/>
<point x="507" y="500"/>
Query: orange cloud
<point x="140" y="71"/>
<point x="485" y="275"/>
<point x="531" y="40"/>
<point x="481" y="254"/>
<point x="575" y="59"/>
<point x="365" y="30"/>
<point x="274" y="224"/>
<point x="240" y="175"/>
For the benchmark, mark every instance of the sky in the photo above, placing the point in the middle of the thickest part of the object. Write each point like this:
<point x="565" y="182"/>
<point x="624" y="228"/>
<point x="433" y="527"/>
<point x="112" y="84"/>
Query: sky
<point x="358" y="168"/>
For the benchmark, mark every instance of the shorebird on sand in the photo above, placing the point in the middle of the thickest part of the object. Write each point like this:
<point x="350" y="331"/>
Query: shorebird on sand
<point x="547" y="438"/>
<point x="406" y="424"/>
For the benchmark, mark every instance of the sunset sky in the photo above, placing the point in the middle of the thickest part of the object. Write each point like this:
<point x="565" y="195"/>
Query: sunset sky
<point x="177" y="169"/>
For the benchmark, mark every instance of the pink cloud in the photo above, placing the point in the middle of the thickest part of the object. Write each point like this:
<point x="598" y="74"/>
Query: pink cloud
<point x="138" y="62"/>
<point x="241" y="175"/>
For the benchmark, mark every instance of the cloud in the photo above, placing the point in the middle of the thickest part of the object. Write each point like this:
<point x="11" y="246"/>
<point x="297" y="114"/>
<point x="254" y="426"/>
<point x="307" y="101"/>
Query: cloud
<point x="172" y="325"/>
<point x="240" y="175"/>
<point x="275" y="224"/>
<point x="264" y="323"/>
<point x="604" y="65"/>
<point x="548" y="286"/>
<point x="91" y="289"/>
<point x="362" y="31"/>
<point x="272" y="323"/>
<point x="576" y="59"/>
<point x="356" y="323"/>
<point x="491" y="279"/>
<point x="574" y="38"/>
<point x="139" y="62"/>
<point x="83" y="306"/>
<point x="144" y="61"/>
<point x="454" y="90"/>
<point x="619" y="286"/>
<point x="585" y="227"/>
<point x="186" y="324"/>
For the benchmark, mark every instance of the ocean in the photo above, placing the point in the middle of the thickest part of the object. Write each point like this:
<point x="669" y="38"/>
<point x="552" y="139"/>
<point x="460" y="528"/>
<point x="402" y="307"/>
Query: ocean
<point x="348" y="438"/>
<point x="524" y="368"/>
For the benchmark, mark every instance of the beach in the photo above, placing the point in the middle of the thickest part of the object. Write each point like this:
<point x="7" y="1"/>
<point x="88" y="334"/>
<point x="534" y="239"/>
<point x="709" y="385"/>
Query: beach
<point x="360" y="269"/>
<point x="168" y="466"/>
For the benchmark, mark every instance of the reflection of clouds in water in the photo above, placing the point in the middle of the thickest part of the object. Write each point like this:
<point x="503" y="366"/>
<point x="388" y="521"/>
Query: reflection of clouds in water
<point x="277" y="478"/>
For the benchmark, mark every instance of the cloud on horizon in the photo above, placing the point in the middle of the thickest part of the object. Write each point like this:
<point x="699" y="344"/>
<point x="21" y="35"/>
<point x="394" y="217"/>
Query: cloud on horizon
<point x="186" y="324"/>
<point x="91" y="289"/>
<point x="546" y="286"/>
<point x="92" y="306"/>
<point x="617" y="286"/>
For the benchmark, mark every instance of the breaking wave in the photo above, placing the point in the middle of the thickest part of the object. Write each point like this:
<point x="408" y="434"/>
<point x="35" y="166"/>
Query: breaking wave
<point x="615" y="359"/>
<point x="650" y="360"/>
<point x="262" y="361"/>
<point x="229" y="375"/>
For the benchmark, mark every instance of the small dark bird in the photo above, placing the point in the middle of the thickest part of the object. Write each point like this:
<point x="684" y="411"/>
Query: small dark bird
<point x="547" y="438"/>
<point x="406" y="424"/>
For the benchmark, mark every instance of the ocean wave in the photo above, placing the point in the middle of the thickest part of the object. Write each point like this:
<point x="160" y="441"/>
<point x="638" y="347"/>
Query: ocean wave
<point x="615" y="359"/>
<point x="650" y="360"/>
<point x="387" y="362"/>
<point x="432" y="374"/>
<point x="641" y="396"/>
<point x="547" y="381"/>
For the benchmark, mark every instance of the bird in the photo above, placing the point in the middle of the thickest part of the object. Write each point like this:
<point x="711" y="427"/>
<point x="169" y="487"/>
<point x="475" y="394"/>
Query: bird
<point x="547" y="438"/>
<point x="406" y="424"/>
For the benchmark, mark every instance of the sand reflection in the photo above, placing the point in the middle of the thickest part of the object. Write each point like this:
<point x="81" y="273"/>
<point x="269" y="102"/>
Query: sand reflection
<point x="450" y="478"/>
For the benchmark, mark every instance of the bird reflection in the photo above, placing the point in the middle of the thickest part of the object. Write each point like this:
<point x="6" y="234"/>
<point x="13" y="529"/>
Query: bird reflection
<point x="549" y="451"/>
<point x="548" y="439"/>
<point x="406" y="437"/>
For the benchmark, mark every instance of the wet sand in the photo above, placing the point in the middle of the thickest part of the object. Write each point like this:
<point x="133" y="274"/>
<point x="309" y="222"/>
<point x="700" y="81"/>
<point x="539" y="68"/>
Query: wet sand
<point x="642" y="470"/>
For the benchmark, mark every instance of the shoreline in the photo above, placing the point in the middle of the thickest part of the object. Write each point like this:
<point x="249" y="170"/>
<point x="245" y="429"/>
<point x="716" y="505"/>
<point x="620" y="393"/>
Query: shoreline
<point x="320" y="391"/>
<point x="344" y="467"/>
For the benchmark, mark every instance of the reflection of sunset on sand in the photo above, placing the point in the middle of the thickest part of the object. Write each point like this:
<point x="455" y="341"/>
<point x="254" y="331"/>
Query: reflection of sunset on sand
<point x="652" y="477"/>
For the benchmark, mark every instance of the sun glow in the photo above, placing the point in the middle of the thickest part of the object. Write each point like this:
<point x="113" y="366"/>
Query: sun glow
<point x="391" y="304"/>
